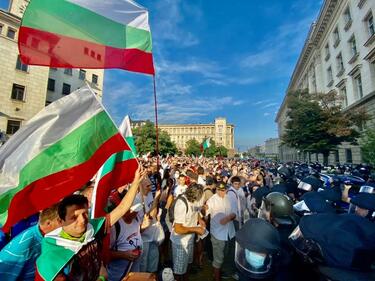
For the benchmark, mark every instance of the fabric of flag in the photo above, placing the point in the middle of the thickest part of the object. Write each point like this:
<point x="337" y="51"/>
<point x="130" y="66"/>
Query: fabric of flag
<point x="117" y="171"/>
<point x="86" y="34"/>
<point x="126" y="131"/>
<point x="206" y="144"/>
<point x="54" y="154"/>
<point x="58" y="251"/>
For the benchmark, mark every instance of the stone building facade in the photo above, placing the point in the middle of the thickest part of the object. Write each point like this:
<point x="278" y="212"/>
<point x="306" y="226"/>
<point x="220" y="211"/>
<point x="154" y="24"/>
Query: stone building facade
<point x="220" y="131"/>
<point x="22" y="87"/>
<point x="338" y="55"/>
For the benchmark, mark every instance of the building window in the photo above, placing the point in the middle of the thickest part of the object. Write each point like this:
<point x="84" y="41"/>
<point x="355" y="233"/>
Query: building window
<point x="340" y="64"/>
<point x="94" y="79"/>
<point x="347" y="18"/>
<point x="327" y="53"/>
<point x="82" y="74"/>
<point x="358" y="86"/>
<point x="344" y="97"/>
<point x="51" y="85"/>
<point x="13" y="126"/>
<point x="348" y="154"/>
<point x="11" y="33"/>
<point x="66" y="89"/>
<point x="336" y="37"/>
<point x="313" y="82"/>
<point x="329" y="75"/>
<point x="353" y="46"/>
<point x="21" y="66"/>
<point x="18" y="92"/>
<point x="68" y="71"/>
<point x="1" y="29"/>
<point x="370" y="25"/>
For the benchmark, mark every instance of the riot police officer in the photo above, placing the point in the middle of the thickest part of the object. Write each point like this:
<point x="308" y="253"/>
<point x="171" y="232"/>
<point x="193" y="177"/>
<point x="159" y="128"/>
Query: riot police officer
<point x="257" y="253"/>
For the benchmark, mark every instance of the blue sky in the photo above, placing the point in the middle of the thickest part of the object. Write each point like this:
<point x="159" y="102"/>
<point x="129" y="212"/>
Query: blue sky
<point x="216" y="58"/>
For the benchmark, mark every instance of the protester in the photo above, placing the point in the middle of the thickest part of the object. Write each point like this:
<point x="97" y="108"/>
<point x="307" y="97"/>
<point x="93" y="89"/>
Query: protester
<point x="17" y="258"/>
<point x="186" y="223"/>
<point x="221" y="227"/>
<point x="78" y="244"/>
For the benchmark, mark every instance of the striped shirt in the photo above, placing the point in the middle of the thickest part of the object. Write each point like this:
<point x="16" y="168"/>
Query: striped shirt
<point x="18" y="257"/>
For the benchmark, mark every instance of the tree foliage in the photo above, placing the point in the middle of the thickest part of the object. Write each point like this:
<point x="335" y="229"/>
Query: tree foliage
<point x="145" y="140"/>
<point x="193" y="147"/>
<point x="316" y="122"/>
<point x="368" y="147"/>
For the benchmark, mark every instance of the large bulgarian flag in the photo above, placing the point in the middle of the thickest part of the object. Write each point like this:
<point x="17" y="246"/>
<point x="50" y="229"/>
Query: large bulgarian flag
<point x="54" y="154"/>
<point x="117" y="171"/>
<point x="87" y="34"/>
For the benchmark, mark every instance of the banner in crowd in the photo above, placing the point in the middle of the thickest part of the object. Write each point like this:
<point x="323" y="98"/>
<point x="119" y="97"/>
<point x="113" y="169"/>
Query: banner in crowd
<point x="54" y="154"/>
<point x="86" y="34"/>
<point x="117" y="171"/>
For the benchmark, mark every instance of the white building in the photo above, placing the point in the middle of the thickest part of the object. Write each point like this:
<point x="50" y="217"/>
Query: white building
<point x="338" y="55"/>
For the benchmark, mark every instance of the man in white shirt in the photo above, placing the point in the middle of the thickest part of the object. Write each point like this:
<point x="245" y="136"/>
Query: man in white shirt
<point x="186" y="224"/>
<point x="222" y="229"/>
<point x="238" y="199"/>
<point x="181" y="186"/>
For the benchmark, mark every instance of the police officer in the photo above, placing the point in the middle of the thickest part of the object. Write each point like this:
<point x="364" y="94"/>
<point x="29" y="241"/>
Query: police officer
<point x="257" y="251"/>
<point x="287" y="184"/>
<point x="341" y="247"/>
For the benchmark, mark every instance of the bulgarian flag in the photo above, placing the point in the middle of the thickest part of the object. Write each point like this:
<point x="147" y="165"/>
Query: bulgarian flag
<point x="54" y="154"/>
<point x="117" y="171"/>
<point x="86" y="34"/>
<point x="206" y="144"/>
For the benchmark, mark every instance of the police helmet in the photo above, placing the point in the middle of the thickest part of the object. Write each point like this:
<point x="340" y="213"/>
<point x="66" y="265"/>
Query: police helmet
<point x="257" y="248"/>
<point x="280" y="207"/>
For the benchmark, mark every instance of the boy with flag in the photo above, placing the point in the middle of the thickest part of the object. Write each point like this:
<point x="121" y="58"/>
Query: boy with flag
<point x="74" y="251"/>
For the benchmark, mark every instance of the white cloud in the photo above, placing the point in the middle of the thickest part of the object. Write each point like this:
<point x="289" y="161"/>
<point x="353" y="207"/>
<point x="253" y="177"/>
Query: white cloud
<point x="270" y="105"/>
<point x="266" y="114"/>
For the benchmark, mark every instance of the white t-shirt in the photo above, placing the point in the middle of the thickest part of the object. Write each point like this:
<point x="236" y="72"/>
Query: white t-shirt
<point x="219" y="208"/>
<point x="179" y="190"/>
<point x="129" y="237"/>
<point x="238" y="199"/>
<point x="201" y="180"/>
<point x="188" y="219"/>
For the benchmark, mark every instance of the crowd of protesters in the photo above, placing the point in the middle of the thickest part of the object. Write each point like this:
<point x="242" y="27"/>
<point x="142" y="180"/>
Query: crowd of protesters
<point x="178" y="214"/>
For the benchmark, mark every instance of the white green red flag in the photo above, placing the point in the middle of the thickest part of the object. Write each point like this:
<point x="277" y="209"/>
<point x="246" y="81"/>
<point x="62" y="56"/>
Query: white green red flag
<point x="86" y="34"/>
<point x="54" y="154"/>
<point x="126" y="131"/>
<point x="58" y="251"/>
<point x="117" y="171"/>
<point x="206" y="143"/>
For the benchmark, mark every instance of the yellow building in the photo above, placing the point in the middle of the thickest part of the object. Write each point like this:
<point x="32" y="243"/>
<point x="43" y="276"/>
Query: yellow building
<point x="23" y="88"/>
<point x="221" y="132"/>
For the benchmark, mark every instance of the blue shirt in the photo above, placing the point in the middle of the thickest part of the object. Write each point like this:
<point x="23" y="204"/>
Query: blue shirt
<point x="18" y="257"/>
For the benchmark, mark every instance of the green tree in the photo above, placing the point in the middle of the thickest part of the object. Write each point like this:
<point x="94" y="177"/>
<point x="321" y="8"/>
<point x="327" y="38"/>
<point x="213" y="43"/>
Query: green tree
<point x="193" y="147"/>
<point x="368" y="147"/>
<point x="145" y="140"/>
<point x="317" y="124"/>
<point x="222" y="151"/>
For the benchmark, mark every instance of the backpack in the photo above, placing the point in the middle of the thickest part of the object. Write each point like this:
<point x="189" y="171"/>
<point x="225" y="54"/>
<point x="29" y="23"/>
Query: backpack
<point x="171" y="209"/>
<point x="117" y="230"/>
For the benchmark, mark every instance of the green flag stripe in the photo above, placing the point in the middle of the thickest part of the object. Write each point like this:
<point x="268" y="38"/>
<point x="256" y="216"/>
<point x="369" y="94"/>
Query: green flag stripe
<point x="67" y="18"/>
<point x="70" y="151"/>
<point x="116" y="158"/>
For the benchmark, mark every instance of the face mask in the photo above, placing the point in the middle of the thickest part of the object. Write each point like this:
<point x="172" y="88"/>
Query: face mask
<point x="254" y="259"/>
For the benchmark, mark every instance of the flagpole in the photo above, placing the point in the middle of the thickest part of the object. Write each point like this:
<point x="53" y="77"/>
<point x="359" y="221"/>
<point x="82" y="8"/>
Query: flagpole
<point x="156" y="125"/>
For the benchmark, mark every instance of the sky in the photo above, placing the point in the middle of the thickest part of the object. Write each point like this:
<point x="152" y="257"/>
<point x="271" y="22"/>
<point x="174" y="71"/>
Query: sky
<point x="216" y="58"/>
